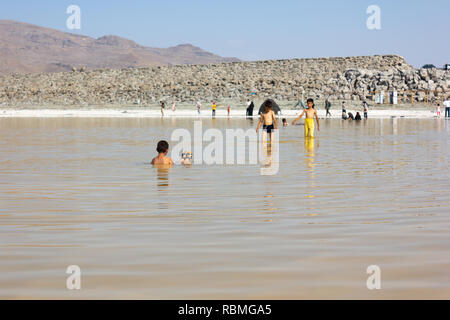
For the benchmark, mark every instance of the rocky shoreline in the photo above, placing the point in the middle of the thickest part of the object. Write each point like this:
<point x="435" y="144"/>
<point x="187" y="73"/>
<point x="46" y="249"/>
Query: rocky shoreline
<point x="351" y="78"/>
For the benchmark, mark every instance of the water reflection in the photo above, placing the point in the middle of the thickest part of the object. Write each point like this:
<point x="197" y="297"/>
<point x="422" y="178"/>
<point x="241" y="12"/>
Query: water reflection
<point x="269" y="153"/>
<point x="310" y="155"/>
<point x="269" y="202"/>
<point x="162" y="182"/>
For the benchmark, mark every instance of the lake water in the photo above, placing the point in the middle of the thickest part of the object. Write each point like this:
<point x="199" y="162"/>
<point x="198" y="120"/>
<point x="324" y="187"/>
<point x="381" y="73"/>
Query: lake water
<point x="79" y="191"/>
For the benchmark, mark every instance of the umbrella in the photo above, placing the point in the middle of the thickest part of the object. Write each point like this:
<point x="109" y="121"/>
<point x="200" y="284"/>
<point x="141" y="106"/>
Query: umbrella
<point x="275" y="107"/>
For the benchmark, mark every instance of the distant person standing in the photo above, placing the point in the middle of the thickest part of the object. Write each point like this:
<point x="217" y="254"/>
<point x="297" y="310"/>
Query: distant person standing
<point x="447" y="107"/>
<point x="214" y="109"/>
<point x="250" y="107"/>
<point x="438" y="110"/>
<point x="327" y="108"/>
<point x="174" y="107"/>
<point x="199" y="107"/>
<point x="163" y="105"/>
<point x="343" y="107"/>
<point x="365" y="109"/>
<point x="228" y="110"/>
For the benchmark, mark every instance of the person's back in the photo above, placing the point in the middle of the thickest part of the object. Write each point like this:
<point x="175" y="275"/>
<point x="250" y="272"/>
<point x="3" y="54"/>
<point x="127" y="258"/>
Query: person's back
<point x="358" y="116"/>
<point x="162" y="159"/>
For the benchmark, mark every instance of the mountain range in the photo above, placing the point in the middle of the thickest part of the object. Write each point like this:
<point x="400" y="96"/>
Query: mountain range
<point x="27" y="48"/>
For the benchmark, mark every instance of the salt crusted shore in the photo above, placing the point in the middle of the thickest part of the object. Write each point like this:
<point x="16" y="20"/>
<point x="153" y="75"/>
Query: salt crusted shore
<point x="185" y="113"/>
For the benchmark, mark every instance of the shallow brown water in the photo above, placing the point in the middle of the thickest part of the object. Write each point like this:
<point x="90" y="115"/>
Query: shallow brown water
<point x="78" y="191"/>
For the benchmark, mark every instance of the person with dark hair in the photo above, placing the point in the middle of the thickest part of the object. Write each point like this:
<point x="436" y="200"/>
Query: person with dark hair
<point x="310" y="113"/>
<point x="285" y="123"/>
<point x="250" y="107"/>
<point x="358" y="116"/>
<point x="327" y="108"/>
<point x="366" y="109"/>
<point x="344" y="115"/>
<point x="350" y="116"/>
<point x="162" y="160"/>
<point x="214" y="109"/>
<point x="447" y="107"/>
<point x="268" y="120"/>
<point x="163" y="105"/>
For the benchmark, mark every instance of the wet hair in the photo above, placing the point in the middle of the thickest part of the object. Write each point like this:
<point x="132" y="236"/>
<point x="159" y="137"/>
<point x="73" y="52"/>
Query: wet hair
<point x="312" y="101"/>
<point x="284" y="119"/>
<point x="268" y="104"/>
<point x="162" y="147"/>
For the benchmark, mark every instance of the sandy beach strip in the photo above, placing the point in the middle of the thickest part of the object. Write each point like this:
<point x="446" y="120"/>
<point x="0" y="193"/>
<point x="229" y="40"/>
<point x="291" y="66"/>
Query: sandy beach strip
<point x="186" y="113"/>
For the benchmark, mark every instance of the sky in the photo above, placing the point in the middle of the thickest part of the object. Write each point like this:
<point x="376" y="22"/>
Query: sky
<point x="258" y="29"/>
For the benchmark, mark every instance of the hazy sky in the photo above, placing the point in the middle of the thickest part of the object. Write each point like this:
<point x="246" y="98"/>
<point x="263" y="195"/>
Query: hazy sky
<point x="258" y="29"/>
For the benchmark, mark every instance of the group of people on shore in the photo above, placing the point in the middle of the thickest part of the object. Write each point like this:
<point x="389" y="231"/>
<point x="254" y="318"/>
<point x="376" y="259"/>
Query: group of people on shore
<point x="357" y="117"/>
<point x="199" y="108"/>
<point x="446" y="106"/>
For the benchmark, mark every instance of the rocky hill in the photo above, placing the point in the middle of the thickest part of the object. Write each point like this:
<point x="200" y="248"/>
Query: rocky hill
<point x="26" y="48"/>
<point x="351" y="78"/>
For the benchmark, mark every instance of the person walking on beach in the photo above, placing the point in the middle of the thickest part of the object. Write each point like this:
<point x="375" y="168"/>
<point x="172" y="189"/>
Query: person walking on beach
<point x="299" y="104"/>
<point x="214" y="109"/>
<point x="365" y="109"/>
<point x="269" y="122"/>
<point x="199" y="107"/>
<point x="310" y="113"/>
<point x="228" y="110"/>
<point x="327" y="108"/>
<point x="447" y="107"/>
<point x="438" y="110"/>
<point x="174" y="107"/>
<point x="250" y="107"/>
<point x="163" y="105"/>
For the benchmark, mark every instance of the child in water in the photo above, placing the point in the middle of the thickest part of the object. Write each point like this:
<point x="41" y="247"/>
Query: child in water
<point x="311" y="113"/>
<point x="268" y="120"/>
<point x="162" y="159"/>
<point x="285" y="123"/>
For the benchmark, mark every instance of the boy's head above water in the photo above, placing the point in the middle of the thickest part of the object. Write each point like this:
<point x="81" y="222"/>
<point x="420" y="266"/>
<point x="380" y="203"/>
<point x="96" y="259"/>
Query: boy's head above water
<point x="162" y="147"/>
